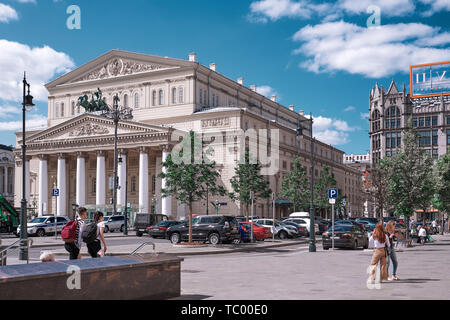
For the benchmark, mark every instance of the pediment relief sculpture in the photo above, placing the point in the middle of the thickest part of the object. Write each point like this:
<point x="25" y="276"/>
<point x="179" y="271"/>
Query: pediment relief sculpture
<point x="88" y="129"/>
<point x="119" y="67"/>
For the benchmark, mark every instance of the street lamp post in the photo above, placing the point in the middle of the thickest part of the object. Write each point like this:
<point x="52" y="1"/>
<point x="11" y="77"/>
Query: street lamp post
<point x="27" y="102"/>
<point x="116" y="114"/>
<point x="312" y="236"/>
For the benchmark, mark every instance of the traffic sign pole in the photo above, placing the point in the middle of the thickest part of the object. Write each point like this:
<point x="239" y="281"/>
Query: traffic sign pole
<point x="332" y="226"/>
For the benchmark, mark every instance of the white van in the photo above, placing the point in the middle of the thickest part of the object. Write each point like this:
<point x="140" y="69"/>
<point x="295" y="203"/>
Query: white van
<point x="299" y="215"/>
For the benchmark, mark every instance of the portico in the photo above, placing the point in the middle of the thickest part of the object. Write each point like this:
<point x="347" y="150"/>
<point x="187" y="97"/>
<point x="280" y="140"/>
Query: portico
<point x="77" y="158"/>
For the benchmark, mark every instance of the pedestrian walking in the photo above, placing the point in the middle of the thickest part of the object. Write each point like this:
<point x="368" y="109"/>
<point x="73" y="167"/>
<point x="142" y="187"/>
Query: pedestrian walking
<point x="71" y="234"/>
<point x="380" y="241"/>
<point x="101" y="234"/>
<point x="411" y="223"/>
<point x="392" y="235"/>
<point x="446" y="226"/>
<point x="93" y="234"/>
<point x="422" y="235"/>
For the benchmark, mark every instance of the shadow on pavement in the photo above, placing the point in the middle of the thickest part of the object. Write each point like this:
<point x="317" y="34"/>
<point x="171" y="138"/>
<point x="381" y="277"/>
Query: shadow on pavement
<point x="413" y="281"/>
<point x="191" y="297"/>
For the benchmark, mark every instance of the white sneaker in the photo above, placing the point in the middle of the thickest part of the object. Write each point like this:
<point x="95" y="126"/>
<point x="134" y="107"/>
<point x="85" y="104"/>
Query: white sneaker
<point x="370" y="281"/>
<point x="390" y="279"/>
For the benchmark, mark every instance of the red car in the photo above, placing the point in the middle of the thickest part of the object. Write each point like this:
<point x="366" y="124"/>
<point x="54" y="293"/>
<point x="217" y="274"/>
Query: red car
<point x="259" y="231"/>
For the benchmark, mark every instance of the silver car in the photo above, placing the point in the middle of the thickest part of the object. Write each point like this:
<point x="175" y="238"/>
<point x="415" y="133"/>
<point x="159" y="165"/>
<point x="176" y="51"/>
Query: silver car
<point x="114" y="223"/>
<point x="280" y="229"/>
<point x="41" y="226"/>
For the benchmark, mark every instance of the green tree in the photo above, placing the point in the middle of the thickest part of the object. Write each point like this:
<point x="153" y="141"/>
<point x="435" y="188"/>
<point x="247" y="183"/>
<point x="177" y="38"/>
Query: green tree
<point x="410" y="177"/>
<point x="248" y="178"/>
<point x="378" y="184"/>
<point x="326" y="181"/>
<point x="188" y="179"/>
<point x="295" y="187"/>
<point x="442" y="186"/>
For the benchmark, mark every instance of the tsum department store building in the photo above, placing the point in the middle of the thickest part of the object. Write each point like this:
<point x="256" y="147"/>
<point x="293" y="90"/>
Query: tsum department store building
<point x="75" y="152"/>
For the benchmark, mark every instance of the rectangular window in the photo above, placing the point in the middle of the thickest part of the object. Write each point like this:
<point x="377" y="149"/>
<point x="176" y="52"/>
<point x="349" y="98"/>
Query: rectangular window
<point x="427" y="121"/>
<point x="435" y="138"/>
<point x="448" y="137"/>
<point x="434" y="121"/>
<point x="414" y="121"/>
<point x="425" y="138"/>
<point x="387" y="124"/>
<point x="435" y="154"/>
<point x="448" y="119"/>
<point x="421" y="122"/>
<point x="57" y="111"/>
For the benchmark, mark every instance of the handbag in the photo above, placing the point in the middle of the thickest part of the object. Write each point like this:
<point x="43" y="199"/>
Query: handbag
<point x="386" y="252"/>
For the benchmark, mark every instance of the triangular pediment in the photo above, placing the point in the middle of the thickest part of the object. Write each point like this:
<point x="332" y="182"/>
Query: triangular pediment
<point x="115" y="64"/>
<point x="393" y="88"/>
<point x="92" y="126"/>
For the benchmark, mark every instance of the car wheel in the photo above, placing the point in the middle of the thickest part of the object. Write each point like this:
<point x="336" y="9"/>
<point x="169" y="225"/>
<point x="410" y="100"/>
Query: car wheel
<point x="106" y="229"/>
<point x="40" y="233"/>
<point x="121" y="228"/>
<point x="366" y="246"/>
<point x="283" y="235"/>
<point x="139" y="234"/>
<point x="175" y="238"/>
<point x="326" y="248"/>
<point x="355" y="245"/>
<point x="214" y="238"/>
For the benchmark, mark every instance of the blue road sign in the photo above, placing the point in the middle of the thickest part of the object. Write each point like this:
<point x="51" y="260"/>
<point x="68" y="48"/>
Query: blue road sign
<point x="223" y="204"/>
<point x="332" y="193"/>
<point x="55" y="193"/>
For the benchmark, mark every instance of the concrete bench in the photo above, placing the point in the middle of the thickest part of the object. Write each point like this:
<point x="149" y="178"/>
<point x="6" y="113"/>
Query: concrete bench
<point x="109" y="278"/>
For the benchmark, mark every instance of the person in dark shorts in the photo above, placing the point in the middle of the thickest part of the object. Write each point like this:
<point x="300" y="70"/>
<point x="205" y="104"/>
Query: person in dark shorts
<point x="75" y="247"/>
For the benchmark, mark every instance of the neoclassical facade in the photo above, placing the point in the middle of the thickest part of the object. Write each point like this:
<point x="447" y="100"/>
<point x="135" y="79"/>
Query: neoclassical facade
<point x="7" y="172"/>
<point x="75" y="152"/>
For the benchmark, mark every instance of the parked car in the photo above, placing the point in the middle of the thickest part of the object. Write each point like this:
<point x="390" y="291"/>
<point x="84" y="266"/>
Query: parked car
<point x="371" y="220"/>
<point x="41" y="226"/>
<point x="324" y="225"/>
<point x="215" y="229"/>
<point x="260" y="233"/>
<point x="304" y="222"/>
<point x="145" y="220"/>
<point x="280" y="229"/>
<point x="302" y="231"/>
<point x="345" y="236"/>
<point x="115" y="223"/>
<point x="159" y="229"/>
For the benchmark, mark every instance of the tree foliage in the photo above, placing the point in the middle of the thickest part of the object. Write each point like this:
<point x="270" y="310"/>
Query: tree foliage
<point x="189" y="180"/>
<point x="248" y="178"/>
<point x="326" y="181"/>
<point x="442" y="186"/>
<point x="378" y="184"/>
<point x="295" y="187"/>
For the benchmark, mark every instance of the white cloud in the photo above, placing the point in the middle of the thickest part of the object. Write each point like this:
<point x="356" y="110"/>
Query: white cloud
<point x="371" y="52"/>
<point x="331" y="131"/>
<point x="7" y="13"/>
<point x="41" y="64"/>
<point x="35" y="121"/>
<point x="365" y="116"/>
<point x="350" y="108"/>
<point x="266" y="91"/>
<point x="9" y="111"/>
<point x="264" y="10"/>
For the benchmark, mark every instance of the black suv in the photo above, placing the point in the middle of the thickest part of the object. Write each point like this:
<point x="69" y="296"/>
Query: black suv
<point x="215" y="229"/>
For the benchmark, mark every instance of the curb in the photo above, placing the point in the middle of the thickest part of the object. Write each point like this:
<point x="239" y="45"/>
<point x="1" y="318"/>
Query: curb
<point x="193" y="253"/>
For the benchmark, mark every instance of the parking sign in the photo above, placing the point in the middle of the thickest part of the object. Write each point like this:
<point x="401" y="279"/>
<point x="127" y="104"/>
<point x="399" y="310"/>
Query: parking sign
<point x="332" y="193"/>
<point x="55" y="193"/>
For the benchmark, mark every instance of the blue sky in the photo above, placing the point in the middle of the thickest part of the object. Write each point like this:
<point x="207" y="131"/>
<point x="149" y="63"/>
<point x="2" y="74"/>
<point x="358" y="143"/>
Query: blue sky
<point x="317" y="55"/>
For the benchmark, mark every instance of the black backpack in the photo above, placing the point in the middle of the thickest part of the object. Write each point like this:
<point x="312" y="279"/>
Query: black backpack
<point x="89" y="234"/>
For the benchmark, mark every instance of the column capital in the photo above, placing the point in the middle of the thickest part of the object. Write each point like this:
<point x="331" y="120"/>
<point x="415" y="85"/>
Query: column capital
<point x="101" y="153"/>
<point x="62" y="156"/>
<point x="43" y="157"/>
<point x="28" y="158"/>
<point x="81" y="154"/>
<point x="142" y="150"/>
<point x="165" y="147"/>
<point x="123" y="152"/>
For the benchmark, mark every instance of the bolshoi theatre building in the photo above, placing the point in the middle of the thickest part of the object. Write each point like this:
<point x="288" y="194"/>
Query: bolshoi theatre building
<point x="74" y="153"/>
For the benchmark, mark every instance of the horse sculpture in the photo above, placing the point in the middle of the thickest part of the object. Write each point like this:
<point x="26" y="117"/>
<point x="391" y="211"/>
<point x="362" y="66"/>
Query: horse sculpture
<point x="96" y="104"/>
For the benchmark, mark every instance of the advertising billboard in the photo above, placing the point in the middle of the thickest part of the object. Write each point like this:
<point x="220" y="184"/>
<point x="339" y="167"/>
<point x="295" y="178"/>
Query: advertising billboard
<point x="430" y="80"/>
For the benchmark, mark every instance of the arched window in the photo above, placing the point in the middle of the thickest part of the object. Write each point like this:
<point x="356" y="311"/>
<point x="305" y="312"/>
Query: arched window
<point x="62" y="109"/>
<point x="217" y="100"/>
<point x="201" y="96"/>
<point x="376" y="120"/>
<point x="73" y="108"/>
<point x="125" y="101"/>
<point x="181" y="95"/>
<point x="154" y="98"/>
<point x="174" y="95"/>
<point x="136" y="100"/>
<point x="57" y="111"/>
<point x="94" y="185"/>
<point x="393" y="119"/>
<point x="213" y="100"/>
<point x="161" y="97"/>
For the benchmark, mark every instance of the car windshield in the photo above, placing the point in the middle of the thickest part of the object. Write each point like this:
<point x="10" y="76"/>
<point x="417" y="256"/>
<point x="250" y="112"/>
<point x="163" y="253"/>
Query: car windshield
<point x="194" y="220"/>
<point x="162" y="223"/>
<point x="38" y="220"/>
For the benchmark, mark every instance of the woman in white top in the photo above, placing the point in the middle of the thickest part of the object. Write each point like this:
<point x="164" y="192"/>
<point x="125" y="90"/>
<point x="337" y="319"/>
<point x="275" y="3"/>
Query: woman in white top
<point x="101" y="234"/>
<point x="422" y="234"/>
<point x="380" y="241"/>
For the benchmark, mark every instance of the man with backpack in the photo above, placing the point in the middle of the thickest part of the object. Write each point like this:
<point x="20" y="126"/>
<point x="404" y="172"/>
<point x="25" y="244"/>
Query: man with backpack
<point x="72" y="233"/>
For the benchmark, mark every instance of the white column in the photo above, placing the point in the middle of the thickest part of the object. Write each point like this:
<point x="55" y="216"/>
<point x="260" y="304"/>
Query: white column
<point x="6" y="180"/>
<point x="167" y="201"/>
<point x="61" y="185"/>
<point x="101" y="179"/>
<point x="43" y="185"/>
<point x="122" y="173"/>
<point x="143" y="181"/>
<point x="81" y="180"/>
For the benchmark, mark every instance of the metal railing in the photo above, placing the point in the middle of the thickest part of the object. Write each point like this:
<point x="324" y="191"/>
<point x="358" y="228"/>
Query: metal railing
<point x="4" y="253"/>
<point x="143" y="245"/>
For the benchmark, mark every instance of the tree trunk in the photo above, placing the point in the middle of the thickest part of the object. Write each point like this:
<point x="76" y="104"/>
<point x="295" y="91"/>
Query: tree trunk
<point x="246" y="212"/>
<point x="190" y="222"/>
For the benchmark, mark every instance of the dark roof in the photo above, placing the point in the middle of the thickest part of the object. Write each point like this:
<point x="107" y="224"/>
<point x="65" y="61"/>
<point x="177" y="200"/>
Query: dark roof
<point x="8" y="148"/>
